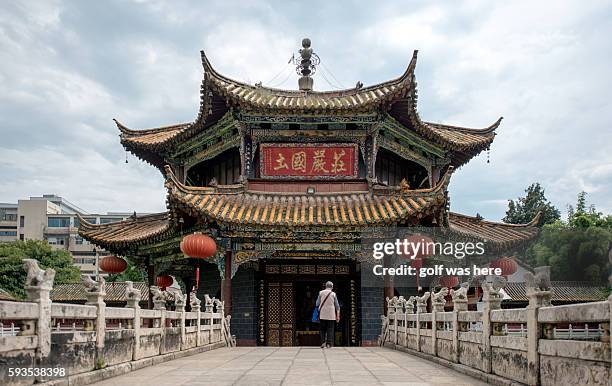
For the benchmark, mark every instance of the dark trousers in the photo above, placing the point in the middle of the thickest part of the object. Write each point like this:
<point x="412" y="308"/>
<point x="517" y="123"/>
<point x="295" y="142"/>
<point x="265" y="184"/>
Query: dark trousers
<point x="327" y="331"/>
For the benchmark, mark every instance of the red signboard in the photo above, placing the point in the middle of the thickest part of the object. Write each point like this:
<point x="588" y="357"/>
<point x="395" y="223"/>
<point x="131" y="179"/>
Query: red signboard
<point x="327" y="160"/>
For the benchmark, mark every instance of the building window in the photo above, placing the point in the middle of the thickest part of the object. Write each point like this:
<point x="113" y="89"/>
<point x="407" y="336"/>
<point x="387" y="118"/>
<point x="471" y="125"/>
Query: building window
<point x="8" y="233"/>
<point x="7" y="216"/>
<point x="58" y="222"/>
<point x="78" y="240"/>
<point x="91" y="220"/>
<point x="21" y="221"/>
<point x="76" y="222"/>
<point x="84" y="260"/>
<point x="21" y="237"/>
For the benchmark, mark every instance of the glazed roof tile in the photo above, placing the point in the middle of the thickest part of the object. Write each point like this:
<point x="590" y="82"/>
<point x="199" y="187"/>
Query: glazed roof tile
<point x="562" y="291"/>
<point x="134" y="229"/>
<point x="115" y="292"/>
<point x="236" y="205"/>
<point x="501" y="234"/>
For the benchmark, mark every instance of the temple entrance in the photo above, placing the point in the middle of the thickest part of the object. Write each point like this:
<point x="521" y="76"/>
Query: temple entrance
<point x="288" y="294"/>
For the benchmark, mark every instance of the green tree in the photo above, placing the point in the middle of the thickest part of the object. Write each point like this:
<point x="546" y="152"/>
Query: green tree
<point x="524" y="209"/>
<point x="577" y="249"/>
<point x="13" y="275"/>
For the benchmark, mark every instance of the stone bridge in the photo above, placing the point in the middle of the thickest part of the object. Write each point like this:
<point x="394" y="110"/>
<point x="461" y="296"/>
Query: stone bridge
<point x="72" y="344"/>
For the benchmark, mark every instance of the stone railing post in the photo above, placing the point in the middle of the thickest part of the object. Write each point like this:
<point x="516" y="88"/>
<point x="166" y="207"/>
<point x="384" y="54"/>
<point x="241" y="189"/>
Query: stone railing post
<point x="399" y="311"/>
<point x="133" y="297"/>
<point x="460" y="304"/>
<point x="208" y="310"/>
<point x="38" y="287"/>
<point x="95" y="292"/>
<point x="421" y="309"/>
<point x="392" y="318"/>
<point x="180" y="301"/>
<point x="491" y="298"/>
<point x="539" y="292"/>
<point x="409" y="310"/>
<point x="159" y="303"/>
<point x="438" y="302"/>
<point x="194" y="302"/>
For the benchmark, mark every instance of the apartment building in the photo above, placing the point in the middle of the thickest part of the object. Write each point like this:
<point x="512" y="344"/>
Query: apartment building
<point x="54" y="219"/>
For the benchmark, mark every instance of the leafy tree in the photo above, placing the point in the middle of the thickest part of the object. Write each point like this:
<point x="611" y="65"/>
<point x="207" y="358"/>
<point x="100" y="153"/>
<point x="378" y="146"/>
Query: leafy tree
<point x="13" y="275"/>
<point x="577" y="249"/>
<point x="524" y="209"/>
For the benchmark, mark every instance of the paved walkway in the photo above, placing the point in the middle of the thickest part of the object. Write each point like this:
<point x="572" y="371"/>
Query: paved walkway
<point x="295" y="366"/>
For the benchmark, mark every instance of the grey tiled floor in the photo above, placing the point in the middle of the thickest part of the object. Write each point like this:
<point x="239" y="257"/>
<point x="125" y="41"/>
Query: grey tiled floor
<point x="295" y="366"/>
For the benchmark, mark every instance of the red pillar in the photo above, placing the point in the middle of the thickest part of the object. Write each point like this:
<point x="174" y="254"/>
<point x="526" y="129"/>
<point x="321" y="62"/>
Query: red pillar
<point x="226" y="285"/>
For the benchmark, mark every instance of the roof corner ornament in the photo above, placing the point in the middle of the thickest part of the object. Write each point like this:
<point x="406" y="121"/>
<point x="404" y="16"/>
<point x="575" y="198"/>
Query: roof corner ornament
<point x="306" y="65"/>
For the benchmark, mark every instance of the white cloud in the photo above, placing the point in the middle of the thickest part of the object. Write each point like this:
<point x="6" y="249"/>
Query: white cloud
<point x="67" y="69"/>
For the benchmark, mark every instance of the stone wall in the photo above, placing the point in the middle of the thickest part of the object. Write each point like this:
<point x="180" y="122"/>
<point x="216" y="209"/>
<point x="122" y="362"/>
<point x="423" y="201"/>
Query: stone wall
<point x="529" y="346"/>
<point x="244" y="307"/>
<point x="371" y="310"/>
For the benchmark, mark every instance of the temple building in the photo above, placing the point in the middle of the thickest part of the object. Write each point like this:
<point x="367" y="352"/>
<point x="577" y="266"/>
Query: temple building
<point x="286" y="181"/>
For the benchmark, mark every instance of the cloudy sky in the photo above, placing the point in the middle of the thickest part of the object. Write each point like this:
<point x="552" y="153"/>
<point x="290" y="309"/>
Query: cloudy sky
<point x="68" y="68"/>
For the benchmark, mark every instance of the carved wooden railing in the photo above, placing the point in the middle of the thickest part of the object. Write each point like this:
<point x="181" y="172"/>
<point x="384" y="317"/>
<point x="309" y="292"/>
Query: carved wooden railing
<point x="527" y="345"/>
<point x="83" y="338"/>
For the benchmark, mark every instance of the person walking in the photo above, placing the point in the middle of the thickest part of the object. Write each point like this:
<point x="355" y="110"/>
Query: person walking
<point x="329" y="314"/>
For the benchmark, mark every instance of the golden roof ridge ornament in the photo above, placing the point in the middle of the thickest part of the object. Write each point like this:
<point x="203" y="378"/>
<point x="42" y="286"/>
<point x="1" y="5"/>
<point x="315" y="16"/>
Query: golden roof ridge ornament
<point x="306" y="65"/>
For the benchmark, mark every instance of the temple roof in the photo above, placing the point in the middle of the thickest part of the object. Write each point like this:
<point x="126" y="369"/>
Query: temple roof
<point x="398" y="97"/>
<point x="500" y="235"/>
<point x="150" y="138"/>
<point x="236" y="205"/>
<point x="352" y="100"/>
<point x="135" y="230"/>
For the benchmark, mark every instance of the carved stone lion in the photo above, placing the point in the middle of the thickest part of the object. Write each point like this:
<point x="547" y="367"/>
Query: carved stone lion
<point x="422" y="302"/>
<point x="193" y="300"/>
<point x="410" y="304"/>
<point x="438" y="300"/>
<point x="158" y="295"/>
<point x="461" y="293"/>
<point x="36" y="277"/>
<point x="492" y="290"/>
<point x="540" y="281"/>
<point x="93" y="286"/>
<point x="132" y="293"/>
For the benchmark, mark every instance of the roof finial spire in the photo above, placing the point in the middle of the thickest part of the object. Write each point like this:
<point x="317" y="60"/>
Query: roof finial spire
<point x="306" y="65"/>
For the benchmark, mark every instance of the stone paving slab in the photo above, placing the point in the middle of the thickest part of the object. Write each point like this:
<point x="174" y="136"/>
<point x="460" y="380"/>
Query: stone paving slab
<point x="295" y="366"/>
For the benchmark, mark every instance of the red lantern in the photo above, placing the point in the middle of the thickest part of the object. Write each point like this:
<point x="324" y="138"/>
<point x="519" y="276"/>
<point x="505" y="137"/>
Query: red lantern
<point x="164" y="281"/>
<point x="507" y="264"/>
<point x="198" y="246"/>
<point x="113" y="264"/>
<point x="449" y="281"/>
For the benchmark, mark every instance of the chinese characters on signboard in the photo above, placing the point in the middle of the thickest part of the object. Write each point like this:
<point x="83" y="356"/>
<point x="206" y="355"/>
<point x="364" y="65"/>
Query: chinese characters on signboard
<point x="309" y="160"/>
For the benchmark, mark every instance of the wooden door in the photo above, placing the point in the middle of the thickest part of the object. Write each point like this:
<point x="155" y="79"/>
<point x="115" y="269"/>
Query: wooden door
<point x="280" y="319"/>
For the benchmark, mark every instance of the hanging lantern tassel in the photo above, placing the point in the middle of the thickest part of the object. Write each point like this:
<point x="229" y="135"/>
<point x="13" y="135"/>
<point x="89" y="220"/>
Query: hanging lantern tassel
<point x="198" y="276"/>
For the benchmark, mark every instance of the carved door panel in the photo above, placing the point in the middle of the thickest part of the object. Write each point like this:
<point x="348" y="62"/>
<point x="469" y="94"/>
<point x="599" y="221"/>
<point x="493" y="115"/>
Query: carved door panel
<point x="280" y="319"/>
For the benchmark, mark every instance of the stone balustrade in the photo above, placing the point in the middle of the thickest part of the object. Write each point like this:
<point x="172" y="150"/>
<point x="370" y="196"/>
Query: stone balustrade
<point x="506" y="346"/>
<point x="92" y="341"/>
